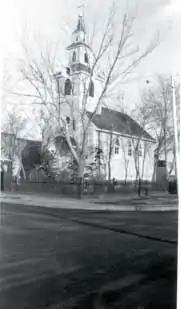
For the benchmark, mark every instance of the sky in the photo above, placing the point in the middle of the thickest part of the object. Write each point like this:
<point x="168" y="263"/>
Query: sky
<point x="55" y="20"/>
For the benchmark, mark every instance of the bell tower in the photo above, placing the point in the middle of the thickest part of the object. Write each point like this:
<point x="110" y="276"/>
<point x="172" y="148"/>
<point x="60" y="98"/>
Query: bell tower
<point x="80" y="55"/>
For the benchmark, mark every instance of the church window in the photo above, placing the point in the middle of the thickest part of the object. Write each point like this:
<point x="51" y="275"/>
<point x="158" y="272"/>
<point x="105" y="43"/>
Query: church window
<point x="74" y="57"/>
<point x="68" y="71"/>
<point x="129" y="148"/>
<point x="68" y="87"/>
<point x="91" y="89"/>
<point x="68" y="120"/>
<point x="86" y="58"/>
<point x="116" y="150"/>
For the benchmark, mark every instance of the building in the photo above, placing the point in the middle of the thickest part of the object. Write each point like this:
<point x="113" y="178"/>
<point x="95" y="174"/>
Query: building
<point x="117" y="147"/>
<point x="126" y="149"/>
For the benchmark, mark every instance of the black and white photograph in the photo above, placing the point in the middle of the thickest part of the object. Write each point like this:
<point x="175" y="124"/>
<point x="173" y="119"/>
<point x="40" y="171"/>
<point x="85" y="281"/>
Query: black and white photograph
<point x="90" y="154"/>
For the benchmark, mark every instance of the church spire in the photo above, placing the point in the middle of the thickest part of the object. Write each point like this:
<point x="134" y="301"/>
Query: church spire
<point x="80" y="25"/>
<point x="79" y="50"/>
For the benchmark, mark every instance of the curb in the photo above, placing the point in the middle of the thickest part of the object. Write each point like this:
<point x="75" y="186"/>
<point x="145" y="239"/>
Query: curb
<point x="89" y="206"/>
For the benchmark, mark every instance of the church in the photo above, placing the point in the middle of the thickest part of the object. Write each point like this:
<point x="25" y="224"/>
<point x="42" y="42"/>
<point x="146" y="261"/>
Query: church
<point x="117" y="146"/>
<point x="125" y="149"/>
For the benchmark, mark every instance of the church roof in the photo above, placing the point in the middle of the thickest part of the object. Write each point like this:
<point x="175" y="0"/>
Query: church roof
<point x="80" y="24"/>
<point x="112" y="120"/>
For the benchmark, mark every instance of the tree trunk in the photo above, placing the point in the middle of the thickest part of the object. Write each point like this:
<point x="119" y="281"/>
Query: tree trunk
<point x="126" y="171"/>
<point x="139" y="186"/>
<point x="23" y="170"/>
<point x="109" y="159"/>
<point x="143" y="164"/>
<point x="137" y="172"/>
<point x="154" y="171"/>
<point x="109" y="170"/>
<point x="80" y="177"/>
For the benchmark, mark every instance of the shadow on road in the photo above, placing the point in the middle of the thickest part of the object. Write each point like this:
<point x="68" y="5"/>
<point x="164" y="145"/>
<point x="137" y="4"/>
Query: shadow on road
<point x="143" y="293"/>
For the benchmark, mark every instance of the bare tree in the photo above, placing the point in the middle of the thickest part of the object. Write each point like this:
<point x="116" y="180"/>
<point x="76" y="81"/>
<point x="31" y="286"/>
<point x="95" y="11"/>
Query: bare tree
<point x="136" y="144"/>
<point x="11" y="145"/>
<point x="111" y="144"/>
<point x="139" y="141"/>
<point x="116" y="53"/>
<point x="158" y="102"/>
<point x="124" y="149"/>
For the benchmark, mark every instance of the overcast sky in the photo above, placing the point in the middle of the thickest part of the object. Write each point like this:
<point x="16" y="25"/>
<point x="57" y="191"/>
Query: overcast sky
<point x="55" y="20"/>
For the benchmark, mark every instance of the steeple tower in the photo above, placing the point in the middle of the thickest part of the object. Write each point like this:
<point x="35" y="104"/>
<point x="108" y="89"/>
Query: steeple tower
<point x="79" y="50"/>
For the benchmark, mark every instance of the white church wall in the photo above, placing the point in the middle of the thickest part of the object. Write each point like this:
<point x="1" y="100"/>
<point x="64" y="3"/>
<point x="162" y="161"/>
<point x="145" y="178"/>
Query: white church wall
<point x="121" y="160"/>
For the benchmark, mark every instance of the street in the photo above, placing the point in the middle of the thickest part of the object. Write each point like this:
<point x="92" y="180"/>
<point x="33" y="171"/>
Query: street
<point x="55" y="258"/>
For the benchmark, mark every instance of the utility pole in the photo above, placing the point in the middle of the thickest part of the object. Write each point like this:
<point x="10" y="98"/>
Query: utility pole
<point x="177" y="140"/>
<point x="178" y="173"/>
<point x="165" y="137"/>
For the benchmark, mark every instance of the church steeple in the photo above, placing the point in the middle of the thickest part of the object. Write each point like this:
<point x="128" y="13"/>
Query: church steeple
<point x="80" y="25"/>
<point x="79" y="50"/>
<point x="79" y="34"/>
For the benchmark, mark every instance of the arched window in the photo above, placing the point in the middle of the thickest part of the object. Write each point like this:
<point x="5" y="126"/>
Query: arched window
<point x="91" y="89"/>
<point x="68" y="71"/>
<point x="86" y="60"/>
<point x="74" y="57"/>
<point x="68" y="87"/>
<point x="68" y="120"/>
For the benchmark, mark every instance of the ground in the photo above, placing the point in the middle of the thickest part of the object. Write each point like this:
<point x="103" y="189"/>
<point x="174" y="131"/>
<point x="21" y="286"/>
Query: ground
<point x="55" y="258"/>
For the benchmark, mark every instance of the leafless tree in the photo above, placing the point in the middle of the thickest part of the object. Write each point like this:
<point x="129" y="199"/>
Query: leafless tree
<point x="115" y="59"/>
<point x="139" y="146"/>
<point x="11" y="145"/>
<point x="158" y="102"/>
<point x="124" y="149"/>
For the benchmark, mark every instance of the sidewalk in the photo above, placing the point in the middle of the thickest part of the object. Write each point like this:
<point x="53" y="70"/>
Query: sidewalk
<point x="153" y="198"/>
<point x="110" y="203"/>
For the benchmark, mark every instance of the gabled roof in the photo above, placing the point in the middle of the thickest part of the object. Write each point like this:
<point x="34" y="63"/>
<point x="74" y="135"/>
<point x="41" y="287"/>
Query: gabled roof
<point x="112" y="120"/>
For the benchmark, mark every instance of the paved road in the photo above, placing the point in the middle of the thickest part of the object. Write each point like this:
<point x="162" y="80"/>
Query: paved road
<point x="84" y="259"/>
